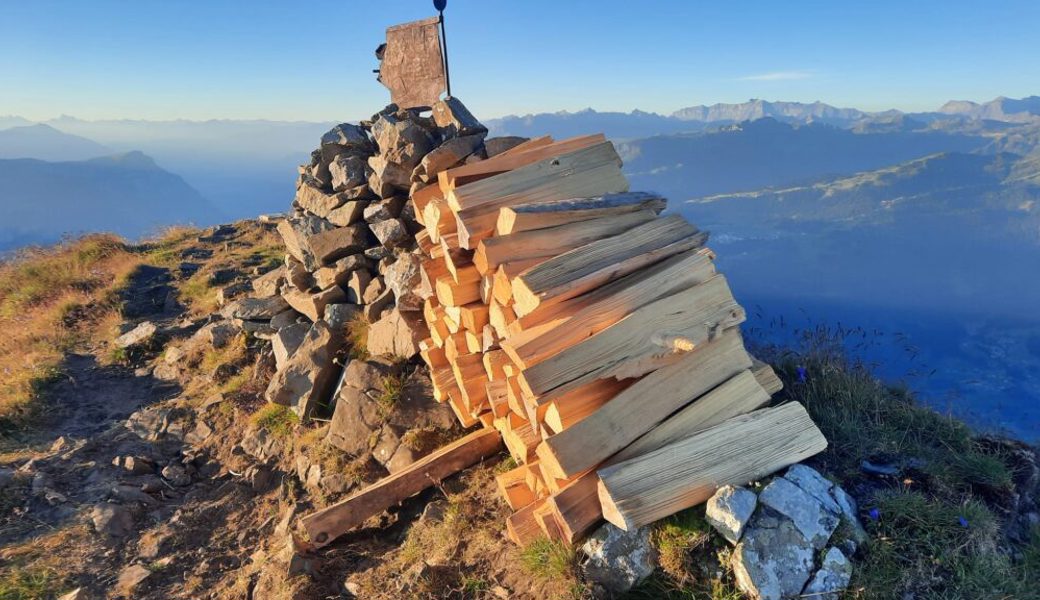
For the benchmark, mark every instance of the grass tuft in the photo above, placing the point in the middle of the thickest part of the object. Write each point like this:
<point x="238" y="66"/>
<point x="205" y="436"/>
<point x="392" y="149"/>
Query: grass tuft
<point x="548" y="560"/>
<point x="279" y="420"/>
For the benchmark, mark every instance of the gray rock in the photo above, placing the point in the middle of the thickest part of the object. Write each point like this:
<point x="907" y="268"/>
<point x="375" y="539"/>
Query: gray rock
<point x="286" y="341"/>
<point x="136" y="465"/>
<point x="176" y="475"/>
<point x="338" y="315"/>
<point x="112" y="520"/>
<point x="396" y="334"/>
<point x="259" y="309"/>
<point x="285" y="319"/>
<point x="270" y="283"/>
<point x="391" y="233"/>
<point x="334" y="244"/>
<point x="313" y="200"/>
<point x="455" y="120"/>
<point x="228" y="293"/>
<point x="850" y="516"/>
<point x="404" y="278"/>
<point x="339" y="272"/>
<point x="617" y="560"/>
<point x="815" y="522"/>
<point x="218" y="334"/>
<point x="497" y="145"/>
<point x="402" y="140"/>
<point x="297" y="231"/>
<point x="349" y="213"/>
<point x="729" y="511"/>
<point x="447" y="155"/>
<point x="375" y="288"/>
<point x="832" y="578"/>
<point x="773" y="560"/>
<point x="358" y="413"/>
<point x="814" y="484"/>
<point x="388" y="208"/>
<point x="130" y="579"/>
<point x="387" y="179"/>
<point x="137" y="336"/>
<point x="375" y="309"/>
<point x="297" y="274"/>
<point x="357" y="283"/>
<point x="313" y="306"/>
<point x="352" y="137"/>
<point x="6" y="477"/>
<point x="309" y="375"/>
<point x="348" y="171"/>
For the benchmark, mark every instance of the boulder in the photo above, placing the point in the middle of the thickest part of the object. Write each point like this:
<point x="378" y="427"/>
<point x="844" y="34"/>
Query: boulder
<point x="387" y="208"/>
<point x="455" y="120"/>
<point x="334" y="244"/>
<point x="339" y="272"/>
<point x="729" y="511"/>
<point x="286" y="341"/>
<point x="387" y="179"/>
<point x="259" y="309"/>
<point x="310" y="374"/>
<point x="404" y="278"/>
<point x="177" y="475"/>
<point x="497" y="145"/>
<point x="317" y="202"/>
<point x="374" y="310"/>
<point x="313" y="306"/>
<point x="228" y="293"/>
<point x="130" y="579"/>
<point x="297" y="274"/>
<point x="357" y="283"/>
<point x="773" y="560"/>
<point x="832" y="578"/>
<point x="391" y="233"/>
<point x="297" y="231"/>
<point x="338" y="315"/>
<point x="617" y="560"/>
<point x="270" y="283"/>
<point x="140" y="335"/>
<point x="112" y="520"/>
<point x="285" y="319"/>
<point x="402" y="139"/>
<point x="348" y="171"/>
<point x="217" y="334"/>
<point x="374" y="289"/>
<point x="814" y="484"/>
<point x="351" y="137"/>
<point x="813" y="520"/>
<point x="358" y="413"/>
<point x="349" y="213"/>
<point x="396" y="334"/>
<point x="445" y="156"/>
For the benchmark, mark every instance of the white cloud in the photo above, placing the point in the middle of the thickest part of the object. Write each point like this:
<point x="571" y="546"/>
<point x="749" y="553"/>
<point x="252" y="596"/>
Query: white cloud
<point x="777" y="76"/>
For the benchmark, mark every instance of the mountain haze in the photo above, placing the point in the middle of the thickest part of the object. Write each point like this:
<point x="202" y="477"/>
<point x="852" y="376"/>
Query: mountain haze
<point x="47" y="143"/>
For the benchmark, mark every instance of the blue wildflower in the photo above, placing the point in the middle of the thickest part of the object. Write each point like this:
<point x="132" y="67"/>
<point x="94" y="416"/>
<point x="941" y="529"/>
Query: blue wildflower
<point x="801" y="374"/>
<point x="963" y="522"/>
<point x="874" y="514"/>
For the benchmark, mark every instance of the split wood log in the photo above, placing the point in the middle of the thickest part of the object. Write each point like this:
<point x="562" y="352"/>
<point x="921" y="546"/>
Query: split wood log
<point x="588" y="267"/>
<point x="456" y="292"/>
<point x="687" y="472"/>
<point x="607" y="305"/>
<point x="646" y="339"/>
<point x="472" y="173"/>
<point x="327" y="524"/>
<point x="522" y="526"/>
<point x="551" y="241"/>
<point x="528" y="216"/>
<point x="642" y="406"/>
<point x="512" y="486"/>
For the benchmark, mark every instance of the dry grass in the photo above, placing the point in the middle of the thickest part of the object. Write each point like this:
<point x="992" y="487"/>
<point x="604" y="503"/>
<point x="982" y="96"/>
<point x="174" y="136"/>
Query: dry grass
<point x="53" y="300"/>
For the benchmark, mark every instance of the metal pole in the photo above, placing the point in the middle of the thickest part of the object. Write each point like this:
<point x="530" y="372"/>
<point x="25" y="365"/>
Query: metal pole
<point x="444" y="44"/>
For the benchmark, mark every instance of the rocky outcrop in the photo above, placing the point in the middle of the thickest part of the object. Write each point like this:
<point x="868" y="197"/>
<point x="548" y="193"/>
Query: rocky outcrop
<point x="780" y="532"/>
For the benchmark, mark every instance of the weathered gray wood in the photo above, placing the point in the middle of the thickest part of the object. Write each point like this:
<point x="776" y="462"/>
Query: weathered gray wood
<point x="528" y="216"/>
<point x="687" y="472"/>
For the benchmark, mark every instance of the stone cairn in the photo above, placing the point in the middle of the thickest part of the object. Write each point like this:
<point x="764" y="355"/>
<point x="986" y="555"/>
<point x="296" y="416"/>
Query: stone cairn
<point x="352" y="271"/>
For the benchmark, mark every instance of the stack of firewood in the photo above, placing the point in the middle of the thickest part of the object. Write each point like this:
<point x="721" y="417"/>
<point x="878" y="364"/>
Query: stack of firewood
<point x="596" y="336"/>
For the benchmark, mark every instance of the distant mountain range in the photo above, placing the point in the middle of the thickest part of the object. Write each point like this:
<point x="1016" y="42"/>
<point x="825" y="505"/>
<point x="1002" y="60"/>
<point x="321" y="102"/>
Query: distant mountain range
<point x="47" y="143"/>
<point x="126" y="193"/>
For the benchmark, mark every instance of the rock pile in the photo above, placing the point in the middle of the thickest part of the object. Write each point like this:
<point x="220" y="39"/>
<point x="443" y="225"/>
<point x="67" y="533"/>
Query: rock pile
<point x="793" y="538"/>
<point x="351" y="275"/>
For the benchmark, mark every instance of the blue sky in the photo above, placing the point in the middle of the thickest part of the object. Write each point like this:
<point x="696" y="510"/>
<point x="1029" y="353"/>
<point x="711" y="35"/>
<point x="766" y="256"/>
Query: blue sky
<point x="312" y="61"/>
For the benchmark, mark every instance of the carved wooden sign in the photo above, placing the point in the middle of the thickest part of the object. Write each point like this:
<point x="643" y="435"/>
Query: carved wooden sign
<point x="411" y="66"/>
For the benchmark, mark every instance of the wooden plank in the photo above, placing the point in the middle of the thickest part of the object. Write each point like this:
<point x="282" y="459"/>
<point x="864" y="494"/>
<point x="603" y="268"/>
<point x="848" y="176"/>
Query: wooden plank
<point x="522" y="526"/>
<point x="551" y="241"/>
<point x="641" y="406"/>
<point x="478" y="222"/>
<point x="577" y="507"/>
<point x="326" y="525"/>
<point x="512" y="486"/>
<point x="602" y="308"/>
<point x="502" y="287"/>
<point x="646" y="339"/>
<point x="687" y="472"/>
<point x="466" y="289"/>
<point x="546" y="519"/>
<point x="588" y="267"/>
<point x="466" y="175"/>
<point x="766" y="376"/>
<point x="527" y="216"/>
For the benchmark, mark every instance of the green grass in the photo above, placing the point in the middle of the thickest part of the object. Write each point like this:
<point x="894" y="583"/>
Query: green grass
<point x="279" y="420"/>
<point x="30" y="583"/>
<point x="548" y="560"/>
<point x="393" y="387"/>
<point x="677" y="537"/>
<point x="357" y="337"/>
